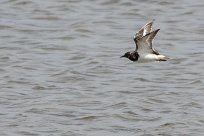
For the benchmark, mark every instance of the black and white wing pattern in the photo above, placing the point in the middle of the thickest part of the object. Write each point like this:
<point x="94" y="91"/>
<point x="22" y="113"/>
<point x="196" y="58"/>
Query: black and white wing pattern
<point x="144" y="30"/>
<point x="144" y="44"/>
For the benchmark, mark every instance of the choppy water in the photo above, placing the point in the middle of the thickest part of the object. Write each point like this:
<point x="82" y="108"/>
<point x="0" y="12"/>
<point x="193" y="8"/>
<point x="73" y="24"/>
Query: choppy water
<point x="61" y="74"/>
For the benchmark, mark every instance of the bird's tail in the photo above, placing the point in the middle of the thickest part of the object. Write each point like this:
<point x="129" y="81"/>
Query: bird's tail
<point x="162" y="58"/>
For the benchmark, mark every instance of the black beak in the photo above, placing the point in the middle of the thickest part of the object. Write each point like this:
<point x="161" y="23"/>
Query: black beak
<point x="122" y="56"/>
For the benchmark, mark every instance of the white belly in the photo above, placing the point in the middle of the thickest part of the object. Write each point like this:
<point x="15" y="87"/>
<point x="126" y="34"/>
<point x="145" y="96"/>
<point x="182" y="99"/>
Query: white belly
<point x="150" y="57"/>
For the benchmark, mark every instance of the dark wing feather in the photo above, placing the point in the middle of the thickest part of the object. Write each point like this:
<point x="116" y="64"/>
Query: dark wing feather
<point x="151" y="37"/>
<point x="146" y="29"/>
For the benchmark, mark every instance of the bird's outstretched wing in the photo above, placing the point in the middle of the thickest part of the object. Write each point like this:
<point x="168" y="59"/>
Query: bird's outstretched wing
<point x="144" y="43"/>
<point x="144" y="30"/>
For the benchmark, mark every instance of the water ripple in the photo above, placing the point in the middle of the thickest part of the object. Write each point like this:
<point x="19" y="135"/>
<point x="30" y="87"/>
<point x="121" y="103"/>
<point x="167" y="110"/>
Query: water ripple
<point x="61" y="71"/>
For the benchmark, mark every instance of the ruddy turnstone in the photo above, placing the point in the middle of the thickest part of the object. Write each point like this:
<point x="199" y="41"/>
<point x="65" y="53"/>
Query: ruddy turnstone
<point x="144" y="51"/>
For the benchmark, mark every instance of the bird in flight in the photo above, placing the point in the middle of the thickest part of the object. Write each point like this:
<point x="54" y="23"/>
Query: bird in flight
<point x="144" y="51"/>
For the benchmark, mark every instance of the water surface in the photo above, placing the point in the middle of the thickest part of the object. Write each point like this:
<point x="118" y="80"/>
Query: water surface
<point x="61" y="74"/>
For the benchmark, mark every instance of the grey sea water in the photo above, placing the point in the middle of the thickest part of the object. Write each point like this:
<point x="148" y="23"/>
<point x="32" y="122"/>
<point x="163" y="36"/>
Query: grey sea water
<point x="61" y="73"/>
